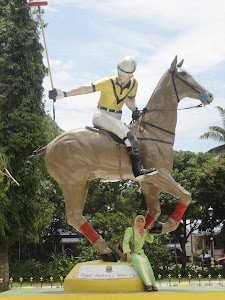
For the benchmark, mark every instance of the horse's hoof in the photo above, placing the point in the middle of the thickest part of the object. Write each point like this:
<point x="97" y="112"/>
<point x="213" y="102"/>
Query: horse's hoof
<point x="109" y="257"/>
<point x="156" y="228"/>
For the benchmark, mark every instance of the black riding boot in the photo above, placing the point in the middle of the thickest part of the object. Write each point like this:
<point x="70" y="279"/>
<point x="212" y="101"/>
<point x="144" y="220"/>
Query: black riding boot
<point x="138" y="170"/>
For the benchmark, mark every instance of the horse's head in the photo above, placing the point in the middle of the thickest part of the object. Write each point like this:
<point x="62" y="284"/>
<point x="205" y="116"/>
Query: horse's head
<point x="185" y="85"/>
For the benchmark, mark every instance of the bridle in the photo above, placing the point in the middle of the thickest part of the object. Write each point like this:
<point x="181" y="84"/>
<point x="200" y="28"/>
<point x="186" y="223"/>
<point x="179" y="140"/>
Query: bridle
<point x="145" y="110"/>
<point x="173" y="73"/>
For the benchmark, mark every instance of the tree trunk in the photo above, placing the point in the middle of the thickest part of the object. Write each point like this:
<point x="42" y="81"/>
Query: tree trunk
<point x="4" y="266"/>
<point x="183" y="251"/>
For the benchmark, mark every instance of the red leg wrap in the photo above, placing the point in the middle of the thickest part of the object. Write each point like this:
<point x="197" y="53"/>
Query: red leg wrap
<point x="148" y="221"/>
<point x="178" y="212"/>
<point x="89" y="232"/>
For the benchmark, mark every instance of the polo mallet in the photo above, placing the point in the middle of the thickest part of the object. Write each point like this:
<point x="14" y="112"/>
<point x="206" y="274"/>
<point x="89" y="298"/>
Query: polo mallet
<point x="38" y="4"/>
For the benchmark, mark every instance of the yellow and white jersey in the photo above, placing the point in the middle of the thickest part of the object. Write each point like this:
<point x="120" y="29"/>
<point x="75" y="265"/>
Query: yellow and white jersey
<point x="113" y="95"/>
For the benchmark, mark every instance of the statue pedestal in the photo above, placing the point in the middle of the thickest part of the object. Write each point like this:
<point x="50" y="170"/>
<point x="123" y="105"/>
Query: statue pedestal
<point x="103" y="277"/>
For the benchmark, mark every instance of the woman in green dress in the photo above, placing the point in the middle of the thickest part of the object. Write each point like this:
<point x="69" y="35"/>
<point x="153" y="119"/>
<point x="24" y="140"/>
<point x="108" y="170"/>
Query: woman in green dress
<point x="138" y="258"/>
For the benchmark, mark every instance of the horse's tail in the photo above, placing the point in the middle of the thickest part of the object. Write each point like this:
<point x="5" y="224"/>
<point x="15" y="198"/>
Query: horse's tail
<point x="36" y="152"/>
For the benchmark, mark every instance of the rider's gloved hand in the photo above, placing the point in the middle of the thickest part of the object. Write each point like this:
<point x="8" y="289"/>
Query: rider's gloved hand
<point x="56" y="94"/>
<point x="136" y="114"/>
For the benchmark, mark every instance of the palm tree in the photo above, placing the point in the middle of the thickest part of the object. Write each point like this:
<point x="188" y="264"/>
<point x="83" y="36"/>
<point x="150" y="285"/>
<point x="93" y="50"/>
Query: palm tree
<point x="216" y="133"/>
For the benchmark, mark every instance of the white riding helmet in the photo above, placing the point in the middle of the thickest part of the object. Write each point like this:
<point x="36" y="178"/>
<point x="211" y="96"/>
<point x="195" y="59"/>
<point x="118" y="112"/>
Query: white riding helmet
<point x="127" y="66"/>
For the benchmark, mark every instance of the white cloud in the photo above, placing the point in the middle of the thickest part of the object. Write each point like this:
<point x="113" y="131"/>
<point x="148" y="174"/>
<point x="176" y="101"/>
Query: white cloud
<point x="154" y="32"/>
<point x="168" y="14"/>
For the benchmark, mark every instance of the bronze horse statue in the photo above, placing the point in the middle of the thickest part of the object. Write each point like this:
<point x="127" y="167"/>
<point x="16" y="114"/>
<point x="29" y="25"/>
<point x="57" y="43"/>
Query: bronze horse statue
<point x="80" y="155"/>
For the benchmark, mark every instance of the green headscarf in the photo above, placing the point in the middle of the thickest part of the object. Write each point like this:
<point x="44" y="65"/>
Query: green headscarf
<point x="139" y="233"/>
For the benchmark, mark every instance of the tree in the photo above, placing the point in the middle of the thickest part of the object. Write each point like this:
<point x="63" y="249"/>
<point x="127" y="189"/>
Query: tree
<point x="217" y="134"/>
<point x="159" y="254"/>
<point x="22" y="121"/>
<point x="4" y="185"/>
<point x="222" y="236"/>
<point x="51" y="213"/>
<point x="113" y="197"/>
<point x="210" y="190"/>
<point x="185" y="167"/>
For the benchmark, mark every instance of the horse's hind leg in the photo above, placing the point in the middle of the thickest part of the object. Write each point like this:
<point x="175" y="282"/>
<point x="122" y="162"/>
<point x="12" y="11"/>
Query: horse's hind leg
<point x="75" y="197"/>
<point x="151" y="194"/>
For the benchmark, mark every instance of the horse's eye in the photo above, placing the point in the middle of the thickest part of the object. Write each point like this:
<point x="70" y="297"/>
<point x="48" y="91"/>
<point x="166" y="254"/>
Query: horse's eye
<point x="184" y="74"/>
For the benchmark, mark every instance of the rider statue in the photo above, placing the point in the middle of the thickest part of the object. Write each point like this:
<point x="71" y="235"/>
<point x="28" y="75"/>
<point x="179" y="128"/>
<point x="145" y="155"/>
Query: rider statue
<point x="115" y="91"/>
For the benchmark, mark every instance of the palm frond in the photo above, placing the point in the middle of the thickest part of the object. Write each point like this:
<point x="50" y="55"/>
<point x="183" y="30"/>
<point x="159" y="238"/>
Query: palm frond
<point x="217" y="129"/>
<point x="217" y="150"/>
<point x="214" y="135"/>
<point x="222" y="114"/>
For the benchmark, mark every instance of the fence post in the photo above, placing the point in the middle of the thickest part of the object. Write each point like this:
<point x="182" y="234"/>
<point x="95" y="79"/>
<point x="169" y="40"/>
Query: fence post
<point x="11" y="281"/>
<point x="51" y="279"/>
<point x="189" y="276"/>
<point x="209" y="278"/>
<point x="41" y="280"/>
<point x="31" y="280"/>
<point x="159" y="276"/>
<point x="169" y="279"/>
<point x="61" y="279"/>
<point x="179" y="275"/>
<point x="21" y="281"/>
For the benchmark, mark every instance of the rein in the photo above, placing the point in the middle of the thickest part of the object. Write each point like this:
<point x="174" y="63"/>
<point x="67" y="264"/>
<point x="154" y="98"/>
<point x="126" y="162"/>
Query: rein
<point x="154" y="140"/>
<point x="170" y="132"/>
<point x="146" y="110"/>
<point x="141" y="128"/>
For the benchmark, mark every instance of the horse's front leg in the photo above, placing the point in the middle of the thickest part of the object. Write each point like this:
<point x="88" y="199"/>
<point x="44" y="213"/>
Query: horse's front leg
<point x="164" y="181"/>
<point x="75" y="198"/>
<point x="151" y="194"/>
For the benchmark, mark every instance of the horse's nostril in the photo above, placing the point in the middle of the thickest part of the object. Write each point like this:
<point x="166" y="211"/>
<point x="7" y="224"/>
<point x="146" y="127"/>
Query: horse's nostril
<point x="210" y="95"/>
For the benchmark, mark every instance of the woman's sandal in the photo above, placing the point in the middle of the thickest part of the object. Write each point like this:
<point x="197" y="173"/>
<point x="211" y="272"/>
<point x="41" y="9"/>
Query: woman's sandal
<point x="154" y="289"/>
<point x="149" y="288"/>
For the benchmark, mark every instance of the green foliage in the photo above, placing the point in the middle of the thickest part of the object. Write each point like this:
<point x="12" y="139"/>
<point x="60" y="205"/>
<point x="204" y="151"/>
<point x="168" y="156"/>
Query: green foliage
<point x="185" y="167"/>
<point x="159" y="254"/>
<point x="59" y="265"/>
<point x="24" y="127"/>
<point x="4" y="186"/>
<point x="112" y="197"/>
<point x="26" y="269"/>
<point x="22" y="116"/>
<point x="210" y="190"/>
<point x="222" y="237"/>
<point x="87" y="252"/>
<point x="112" y="207"/>
<point x="217" y="134"/>
<point x="111" y="226"/>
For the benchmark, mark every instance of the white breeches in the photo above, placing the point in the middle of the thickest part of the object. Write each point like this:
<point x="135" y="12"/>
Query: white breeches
<point x="112" y="122"/>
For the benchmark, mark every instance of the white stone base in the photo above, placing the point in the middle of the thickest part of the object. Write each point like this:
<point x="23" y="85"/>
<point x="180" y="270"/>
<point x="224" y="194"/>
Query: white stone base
<point x="99" y="277"/>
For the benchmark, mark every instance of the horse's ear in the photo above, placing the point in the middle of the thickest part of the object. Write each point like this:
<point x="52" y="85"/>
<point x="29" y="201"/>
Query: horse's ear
<point x="173" y="64"/>
<point x="180" y="63"/>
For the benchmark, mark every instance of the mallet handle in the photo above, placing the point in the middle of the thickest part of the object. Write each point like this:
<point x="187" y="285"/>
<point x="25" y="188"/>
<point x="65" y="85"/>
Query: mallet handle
<point x="45" y="46"/>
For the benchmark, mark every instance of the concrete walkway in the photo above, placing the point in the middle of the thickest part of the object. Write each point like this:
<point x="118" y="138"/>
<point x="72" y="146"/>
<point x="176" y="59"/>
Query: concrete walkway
<point x="164" y="288"/>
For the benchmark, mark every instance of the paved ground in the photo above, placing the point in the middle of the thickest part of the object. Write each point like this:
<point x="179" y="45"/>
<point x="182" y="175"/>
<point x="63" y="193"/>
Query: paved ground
<point x="164" y="288"/>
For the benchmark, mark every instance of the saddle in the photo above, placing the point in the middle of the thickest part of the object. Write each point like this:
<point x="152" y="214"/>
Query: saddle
<point x="112" y="135"/>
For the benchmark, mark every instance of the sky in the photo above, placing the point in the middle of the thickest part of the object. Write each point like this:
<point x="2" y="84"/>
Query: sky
<point x="87" y="38"/>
